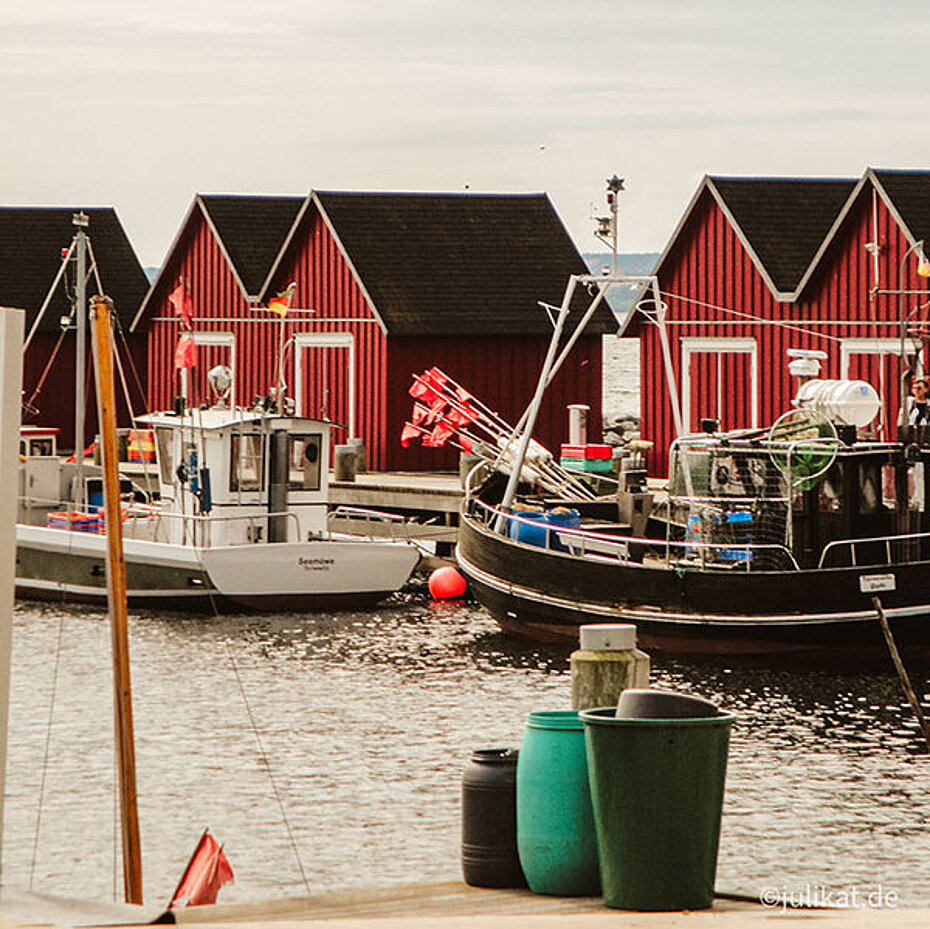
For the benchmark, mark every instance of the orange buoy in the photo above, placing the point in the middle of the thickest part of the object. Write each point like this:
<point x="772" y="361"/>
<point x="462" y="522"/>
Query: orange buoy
<point x="446" y="583"/>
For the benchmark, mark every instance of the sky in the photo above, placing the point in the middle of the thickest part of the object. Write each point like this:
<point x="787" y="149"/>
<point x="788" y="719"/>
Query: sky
<point x="142" y="105"/>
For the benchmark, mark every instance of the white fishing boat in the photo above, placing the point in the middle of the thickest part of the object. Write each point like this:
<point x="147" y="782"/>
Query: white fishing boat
<point x="229" y="510"/>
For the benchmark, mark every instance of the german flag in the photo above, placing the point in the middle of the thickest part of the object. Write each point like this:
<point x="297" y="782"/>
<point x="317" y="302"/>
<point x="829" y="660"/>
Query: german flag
<point x="282" y="302"/>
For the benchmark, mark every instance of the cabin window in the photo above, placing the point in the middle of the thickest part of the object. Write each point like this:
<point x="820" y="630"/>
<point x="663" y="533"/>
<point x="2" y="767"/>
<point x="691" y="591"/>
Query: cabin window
<point x="163" y="440"/>
<point x="246" y="468"/>
<point x="304" y="458"/>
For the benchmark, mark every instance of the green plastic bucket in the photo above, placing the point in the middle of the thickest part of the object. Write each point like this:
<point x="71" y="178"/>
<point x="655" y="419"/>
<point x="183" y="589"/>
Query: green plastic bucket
<point x="657" y="790"/>
<point x="556" y="838"/>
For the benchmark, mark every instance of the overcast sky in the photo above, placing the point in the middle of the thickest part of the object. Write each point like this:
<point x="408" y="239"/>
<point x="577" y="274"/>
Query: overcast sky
<point x="140" y="105"/>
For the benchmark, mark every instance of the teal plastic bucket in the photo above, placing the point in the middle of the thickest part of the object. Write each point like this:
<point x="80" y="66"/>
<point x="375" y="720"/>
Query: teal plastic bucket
<point x="657" y="790"/>
<point x="556" y="838"/>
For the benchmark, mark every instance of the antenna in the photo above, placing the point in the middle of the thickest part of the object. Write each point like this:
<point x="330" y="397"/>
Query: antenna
<point x="607" y="225"/>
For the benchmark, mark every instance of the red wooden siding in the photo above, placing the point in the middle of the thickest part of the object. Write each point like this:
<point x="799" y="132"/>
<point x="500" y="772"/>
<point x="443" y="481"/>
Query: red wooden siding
<point x="502" y="373"/>
<point x="714" y="290"/>
<point x="326" y="285"/>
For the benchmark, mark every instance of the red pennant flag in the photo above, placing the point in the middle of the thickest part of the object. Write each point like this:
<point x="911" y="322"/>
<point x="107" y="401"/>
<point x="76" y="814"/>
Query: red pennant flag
<point x="420" y="413"/>
<point x="435" y="377"/>
<point x="206" y="872"/>
<point x="407" y="433"/>
<point x="180" y="300"/>
<point x="441" y="433"/>
<point x="468" y="446"/>
<point x="435" y="410"/>
<point x="463" y="394"/>
<point x="422" y="391"/>
<point x="461" y="416"/>
<point x="185" y="355"/>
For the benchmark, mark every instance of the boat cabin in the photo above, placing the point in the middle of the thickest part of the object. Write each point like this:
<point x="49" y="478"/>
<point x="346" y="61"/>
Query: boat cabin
<point x="229" y="477"/>
<point x="757" y="504"/>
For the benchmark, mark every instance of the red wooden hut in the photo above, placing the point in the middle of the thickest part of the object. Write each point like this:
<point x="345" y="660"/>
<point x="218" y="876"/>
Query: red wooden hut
<point x="387" y="285"/>
<point x="761" y="265"/>
<point x="33" y="241"/>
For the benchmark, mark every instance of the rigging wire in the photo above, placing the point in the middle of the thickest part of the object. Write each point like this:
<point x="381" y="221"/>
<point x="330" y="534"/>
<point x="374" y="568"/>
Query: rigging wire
<point x="45" y="756"/>
<point x="749" y="317"/>
<point x="264" y="760"/>
<point x="28" y="405"/>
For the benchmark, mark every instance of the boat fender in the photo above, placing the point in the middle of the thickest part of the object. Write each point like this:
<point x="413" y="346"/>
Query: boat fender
<point x="206" y="495"/>
<point x="192" y="470"/>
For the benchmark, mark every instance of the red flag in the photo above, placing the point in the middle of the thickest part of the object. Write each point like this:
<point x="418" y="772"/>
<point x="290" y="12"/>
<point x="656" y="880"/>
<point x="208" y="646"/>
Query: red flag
<point x="282" y="302"/>
<point x="185" y="355"/>
<point x="441" y="433"/>
<point x="435" y="377"/>
<point x="420" y="413"/>
<point x="463" y="394"/>
<point x="180" y="299"/>
<point x="422" y="390"/>
<point x="461" y="416"/>
<point x="206" y="872"/>
<point x="468" y="446"/>
<point x="435" y="410"/>
<point x="407" y="433"/>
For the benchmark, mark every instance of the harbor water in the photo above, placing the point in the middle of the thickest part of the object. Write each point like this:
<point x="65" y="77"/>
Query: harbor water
<point x="360" y="725"/>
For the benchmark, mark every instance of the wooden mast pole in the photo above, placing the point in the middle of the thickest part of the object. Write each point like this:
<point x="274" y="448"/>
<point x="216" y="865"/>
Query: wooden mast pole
<point x="116" y="594"/>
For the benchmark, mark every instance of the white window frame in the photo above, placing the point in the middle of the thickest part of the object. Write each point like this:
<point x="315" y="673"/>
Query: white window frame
<point x="692" y="345"/>
<point x="223" y="340"/>
<point x="304" y="340"/>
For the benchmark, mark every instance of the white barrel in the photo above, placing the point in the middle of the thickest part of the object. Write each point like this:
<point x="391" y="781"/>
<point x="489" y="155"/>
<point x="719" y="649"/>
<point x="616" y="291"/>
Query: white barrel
<point x="855" y="403"/>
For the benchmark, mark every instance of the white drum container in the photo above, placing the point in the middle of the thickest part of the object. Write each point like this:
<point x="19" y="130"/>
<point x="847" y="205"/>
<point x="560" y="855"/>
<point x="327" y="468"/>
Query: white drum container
<point x="855" y="403"/>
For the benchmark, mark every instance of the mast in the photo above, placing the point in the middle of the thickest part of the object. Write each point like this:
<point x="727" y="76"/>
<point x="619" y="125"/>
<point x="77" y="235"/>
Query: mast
<point x="80" y="357"/>
<point x="12" y="323"/>
<point x="116" y="595"/>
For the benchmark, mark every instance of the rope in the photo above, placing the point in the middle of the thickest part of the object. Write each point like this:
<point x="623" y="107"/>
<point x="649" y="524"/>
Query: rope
<point x="263" y="758"/>
<point x="750" y="317"/>
<point x="27" y="406"/>
<point x="48" y="743"/>
<point x="262" y="754"/>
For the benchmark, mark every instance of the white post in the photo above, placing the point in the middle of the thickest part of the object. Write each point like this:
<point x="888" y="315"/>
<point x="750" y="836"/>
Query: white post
<point x="12" y="325"/>
<point x="80" y="359"/>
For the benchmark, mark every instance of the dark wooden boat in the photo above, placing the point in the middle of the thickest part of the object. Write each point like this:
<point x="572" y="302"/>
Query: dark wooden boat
<point x="760" y="546"/>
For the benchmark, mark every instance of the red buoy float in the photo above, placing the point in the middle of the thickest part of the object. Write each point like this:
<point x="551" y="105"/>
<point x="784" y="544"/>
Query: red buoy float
<point x="446" y="583"/>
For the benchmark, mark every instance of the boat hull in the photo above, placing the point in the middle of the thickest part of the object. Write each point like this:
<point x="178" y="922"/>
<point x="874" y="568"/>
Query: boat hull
<point x="55" y="564"/>
<point x="545" y="594"/>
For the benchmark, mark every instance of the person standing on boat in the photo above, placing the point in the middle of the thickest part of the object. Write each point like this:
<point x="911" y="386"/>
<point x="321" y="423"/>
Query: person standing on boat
<point x="920" y="413"/>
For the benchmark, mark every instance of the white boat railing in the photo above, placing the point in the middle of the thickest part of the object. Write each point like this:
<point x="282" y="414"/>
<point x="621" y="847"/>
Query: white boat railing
<point x="135" y="515"/>
<point x="588" y="543"/>
<point x="883" y="541"/>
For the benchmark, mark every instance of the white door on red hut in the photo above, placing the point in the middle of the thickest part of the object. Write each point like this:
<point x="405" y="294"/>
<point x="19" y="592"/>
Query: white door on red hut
<point x="719" y="382"/>
<point x="324" y="381"/>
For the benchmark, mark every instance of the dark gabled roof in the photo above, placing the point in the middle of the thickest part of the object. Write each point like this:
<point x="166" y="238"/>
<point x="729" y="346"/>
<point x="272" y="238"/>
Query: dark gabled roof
<point x="252" y="230"/>
<point x="784" y="220"/>
<point x="909" y="193"/>
<point x="458" y="264"/>
<point x="31" y="243"/>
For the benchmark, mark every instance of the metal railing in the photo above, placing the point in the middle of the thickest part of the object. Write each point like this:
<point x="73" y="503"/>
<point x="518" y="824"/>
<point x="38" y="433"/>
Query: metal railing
<point x="191" y="522"/>
<point x="881" y="541"/>
<point x="585" y="543"/>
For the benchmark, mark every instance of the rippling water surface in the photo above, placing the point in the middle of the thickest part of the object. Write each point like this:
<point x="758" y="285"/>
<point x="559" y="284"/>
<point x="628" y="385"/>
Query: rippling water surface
<point x="366" y="720"/>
